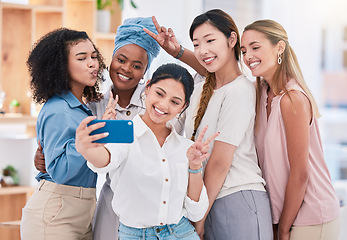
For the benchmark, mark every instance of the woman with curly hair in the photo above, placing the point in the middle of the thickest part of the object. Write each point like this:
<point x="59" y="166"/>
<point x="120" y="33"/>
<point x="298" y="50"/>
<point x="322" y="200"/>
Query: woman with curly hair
<point x="65" y="69"/>
<point x="133" y="54"/>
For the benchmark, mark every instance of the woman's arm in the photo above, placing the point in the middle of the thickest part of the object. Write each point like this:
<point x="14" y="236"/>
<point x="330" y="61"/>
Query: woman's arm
<point x="167" y="40"/>
<point x="215" y="174"/>
<point x="196" y="154"/>
<point x="39" y="159"/>
<point x="197" y="199"/>
<point x="95" y="153"/>
<point x="296" y="113"/>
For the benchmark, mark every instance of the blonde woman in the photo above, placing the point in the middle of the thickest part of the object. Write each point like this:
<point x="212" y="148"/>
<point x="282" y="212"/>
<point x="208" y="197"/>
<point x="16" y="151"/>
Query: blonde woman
<point x="304" y="204"/>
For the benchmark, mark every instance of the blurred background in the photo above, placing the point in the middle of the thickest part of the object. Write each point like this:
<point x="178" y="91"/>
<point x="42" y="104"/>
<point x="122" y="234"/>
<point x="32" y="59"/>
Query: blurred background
<point x="317" y="32"/>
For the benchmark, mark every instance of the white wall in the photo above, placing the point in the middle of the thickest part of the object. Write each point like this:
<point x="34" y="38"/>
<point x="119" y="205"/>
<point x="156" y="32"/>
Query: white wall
<point x="18" y="150"/>
<point x="178" y="15"/>
<point x="303" y="23"/>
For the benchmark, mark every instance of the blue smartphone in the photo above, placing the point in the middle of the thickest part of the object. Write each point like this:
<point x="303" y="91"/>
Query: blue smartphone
<point x="120" y="131"/>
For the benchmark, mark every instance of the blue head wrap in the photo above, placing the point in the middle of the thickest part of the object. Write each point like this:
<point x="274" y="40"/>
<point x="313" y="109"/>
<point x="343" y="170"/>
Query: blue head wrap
<point x="131" y="32"/>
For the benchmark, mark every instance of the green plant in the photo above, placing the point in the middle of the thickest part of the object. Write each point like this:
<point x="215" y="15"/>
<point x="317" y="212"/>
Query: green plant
<point x="101" y="4"/>
<point x="9" y="170"/>
<point x="14" y="103"/>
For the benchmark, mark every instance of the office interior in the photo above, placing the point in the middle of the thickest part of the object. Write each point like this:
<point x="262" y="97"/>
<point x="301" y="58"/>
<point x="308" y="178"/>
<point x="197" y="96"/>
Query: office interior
<point x="317" y="32"/>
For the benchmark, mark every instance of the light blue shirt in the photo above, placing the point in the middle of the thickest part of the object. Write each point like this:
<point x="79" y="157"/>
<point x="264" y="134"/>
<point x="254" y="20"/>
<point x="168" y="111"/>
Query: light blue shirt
<point x="56" y="129"/>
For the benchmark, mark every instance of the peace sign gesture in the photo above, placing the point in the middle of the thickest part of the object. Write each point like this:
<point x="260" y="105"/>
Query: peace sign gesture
<point x="165" y="38"/>
<point x="198" y="152"/>
<point x="110" y="111"/>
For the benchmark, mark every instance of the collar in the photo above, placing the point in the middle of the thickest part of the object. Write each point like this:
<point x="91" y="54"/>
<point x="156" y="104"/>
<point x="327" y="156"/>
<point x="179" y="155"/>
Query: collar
<point x="73" y="102"/>
<point x="135" y="98"/>
<point x="140" y="127"/>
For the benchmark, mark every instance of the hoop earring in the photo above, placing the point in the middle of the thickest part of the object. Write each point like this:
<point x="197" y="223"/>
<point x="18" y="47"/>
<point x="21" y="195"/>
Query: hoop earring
<point x="279" y="59"/>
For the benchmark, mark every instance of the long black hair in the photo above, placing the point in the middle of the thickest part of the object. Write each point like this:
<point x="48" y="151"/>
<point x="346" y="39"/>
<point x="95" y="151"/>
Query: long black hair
<point x="224" y="23"/>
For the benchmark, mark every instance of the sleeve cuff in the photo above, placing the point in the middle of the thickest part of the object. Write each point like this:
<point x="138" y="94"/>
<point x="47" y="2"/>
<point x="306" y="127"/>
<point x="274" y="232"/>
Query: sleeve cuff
<point x="197" y="210"/>
<point x="105" y="169"/>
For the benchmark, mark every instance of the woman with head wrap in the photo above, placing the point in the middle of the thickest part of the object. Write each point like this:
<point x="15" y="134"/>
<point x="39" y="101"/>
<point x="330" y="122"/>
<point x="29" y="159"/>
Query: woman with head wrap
<point x="133" y="54"/>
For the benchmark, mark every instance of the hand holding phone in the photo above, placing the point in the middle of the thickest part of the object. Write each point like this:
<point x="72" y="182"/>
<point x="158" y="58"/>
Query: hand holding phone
<point x="120" y="131"/>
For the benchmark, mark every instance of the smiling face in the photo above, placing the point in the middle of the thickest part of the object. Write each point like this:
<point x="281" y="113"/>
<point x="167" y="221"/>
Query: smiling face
<point x="128" y="67"/>
<point x="82" y="66"/>
<point x="165" y="99"/>
<point x="259" y="54"/>
<point x="211" y="47"/>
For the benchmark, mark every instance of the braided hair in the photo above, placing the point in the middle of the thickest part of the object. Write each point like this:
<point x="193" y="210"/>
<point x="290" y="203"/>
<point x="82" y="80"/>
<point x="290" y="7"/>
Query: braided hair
<point x="224" y="23"/>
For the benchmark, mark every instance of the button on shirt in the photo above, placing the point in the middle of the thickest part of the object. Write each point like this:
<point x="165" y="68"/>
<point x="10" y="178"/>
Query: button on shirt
<point x="56" y="129"/>
<point x="151" y="181"/>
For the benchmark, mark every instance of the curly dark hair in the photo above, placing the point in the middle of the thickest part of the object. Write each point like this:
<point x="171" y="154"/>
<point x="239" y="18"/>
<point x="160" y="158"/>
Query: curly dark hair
<point x="48" y="61"/>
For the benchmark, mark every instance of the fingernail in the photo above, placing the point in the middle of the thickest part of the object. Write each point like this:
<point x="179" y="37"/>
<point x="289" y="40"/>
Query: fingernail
<point x="106" y="134"/>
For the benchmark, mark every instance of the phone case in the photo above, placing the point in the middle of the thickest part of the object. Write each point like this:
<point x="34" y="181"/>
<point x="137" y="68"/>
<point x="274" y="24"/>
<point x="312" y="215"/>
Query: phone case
<point x="120" y="131"/>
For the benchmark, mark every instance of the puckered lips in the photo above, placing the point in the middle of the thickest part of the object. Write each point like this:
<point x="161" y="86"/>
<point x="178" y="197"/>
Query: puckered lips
<point x="94" y="73"/>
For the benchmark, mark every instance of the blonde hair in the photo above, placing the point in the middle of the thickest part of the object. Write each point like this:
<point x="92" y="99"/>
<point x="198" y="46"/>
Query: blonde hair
<point x="289" y="68"/>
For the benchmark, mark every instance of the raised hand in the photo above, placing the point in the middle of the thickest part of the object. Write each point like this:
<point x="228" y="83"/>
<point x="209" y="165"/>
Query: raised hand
<point x="165" y="38"/>
<point x="198" y="152"/>
<point x="84" y="141"/>
<point x="110" y="112"/>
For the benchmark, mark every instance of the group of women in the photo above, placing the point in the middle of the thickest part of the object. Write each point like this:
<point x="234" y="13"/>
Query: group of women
<point x="258" y="174"/>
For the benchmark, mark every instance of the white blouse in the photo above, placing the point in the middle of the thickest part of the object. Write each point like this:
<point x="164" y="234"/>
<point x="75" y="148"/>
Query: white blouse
<point x="150" y="181"/>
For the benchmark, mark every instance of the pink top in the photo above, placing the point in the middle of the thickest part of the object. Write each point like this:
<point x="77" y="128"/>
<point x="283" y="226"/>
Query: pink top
<point x="320" y="203"/>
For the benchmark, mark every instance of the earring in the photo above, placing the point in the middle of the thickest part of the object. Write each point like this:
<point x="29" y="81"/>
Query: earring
<point x="279" y="59"/>
<point x="143" y="96"/>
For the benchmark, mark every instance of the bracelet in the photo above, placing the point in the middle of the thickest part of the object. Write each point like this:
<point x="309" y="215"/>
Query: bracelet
<point x="195" y="171"/>
<point x="179" y="55"/>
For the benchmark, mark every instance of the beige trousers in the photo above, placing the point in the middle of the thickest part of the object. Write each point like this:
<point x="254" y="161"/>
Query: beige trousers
<point x="326" y="231"/>
<point x="57" y="212"/>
